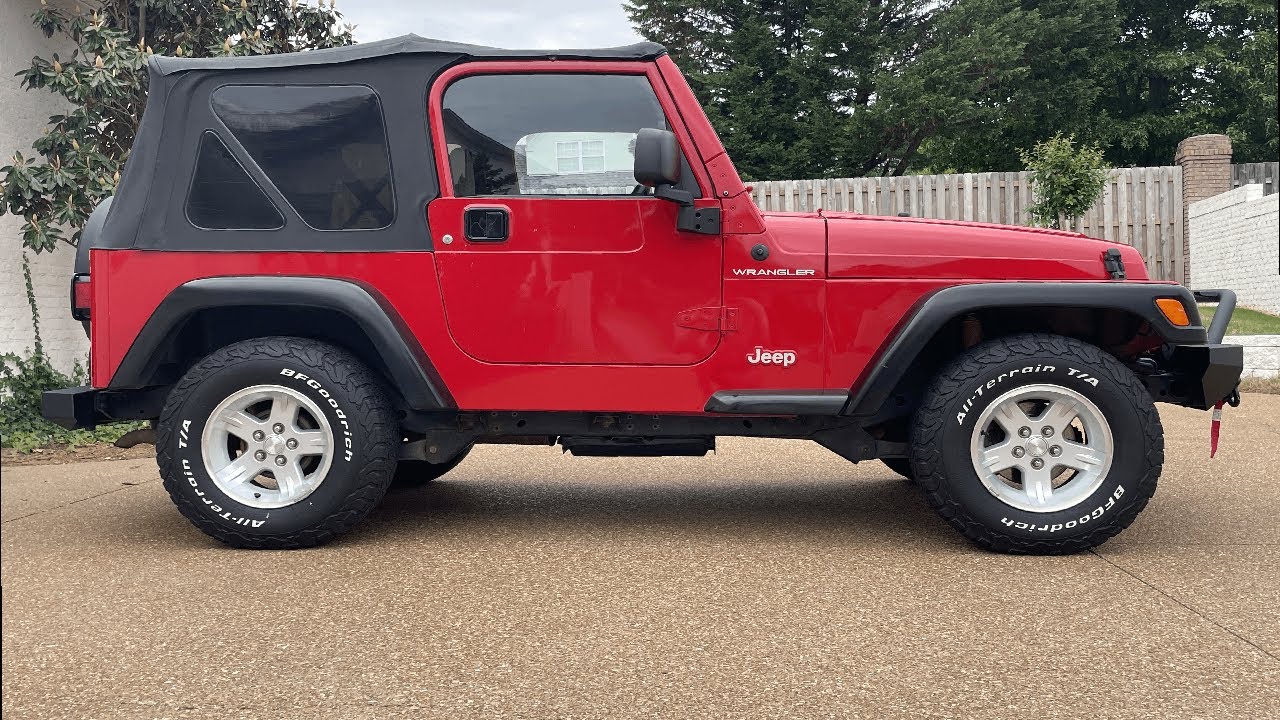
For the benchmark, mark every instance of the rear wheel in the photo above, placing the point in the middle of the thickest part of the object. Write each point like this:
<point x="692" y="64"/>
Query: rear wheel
<point x="1037" y="444"/>
<point x="277" y="443"/>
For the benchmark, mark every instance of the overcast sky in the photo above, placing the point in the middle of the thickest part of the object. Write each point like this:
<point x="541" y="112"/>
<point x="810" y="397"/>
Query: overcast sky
<point x="501" y="23"/>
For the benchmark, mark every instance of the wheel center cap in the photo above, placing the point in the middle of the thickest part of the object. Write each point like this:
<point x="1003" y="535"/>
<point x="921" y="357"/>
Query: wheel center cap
<point x="1037" y="447"/>
<point x="274" y="444"/>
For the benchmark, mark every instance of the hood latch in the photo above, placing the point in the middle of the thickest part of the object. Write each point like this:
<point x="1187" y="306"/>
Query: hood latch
<point x="1113" y="264"/>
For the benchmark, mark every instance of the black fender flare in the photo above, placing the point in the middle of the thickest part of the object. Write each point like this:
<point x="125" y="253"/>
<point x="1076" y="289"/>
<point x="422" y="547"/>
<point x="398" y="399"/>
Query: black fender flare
<point x="882" y="375"/>
<point x="406" y="363"/>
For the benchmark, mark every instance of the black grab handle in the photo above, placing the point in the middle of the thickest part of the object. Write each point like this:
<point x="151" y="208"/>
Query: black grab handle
<point x="1226" y="300"/>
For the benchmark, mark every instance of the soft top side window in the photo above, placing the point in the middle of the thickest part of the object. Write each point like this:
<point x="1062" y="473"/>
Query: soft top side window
<point x="222" y="196"/>
<point x="548" y="133"/>
<point x="323" y="147"/>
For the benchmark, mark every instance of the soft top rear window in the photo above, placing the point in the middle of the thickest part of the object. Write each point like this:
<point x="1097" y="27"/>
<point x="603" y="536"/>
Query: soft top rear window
<point x="324" y="147"/>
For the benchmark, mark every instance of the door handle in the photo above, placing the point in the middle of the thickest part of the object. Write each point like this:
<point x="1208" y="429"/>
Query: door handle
<point x="486" y="224"/>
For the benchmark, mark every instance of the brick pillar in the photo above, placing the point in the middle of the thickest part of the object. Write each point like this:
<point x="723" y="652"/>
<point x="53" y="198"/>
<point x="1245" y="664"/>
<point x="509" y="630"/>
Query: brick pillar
<point x="1206" y="171"/>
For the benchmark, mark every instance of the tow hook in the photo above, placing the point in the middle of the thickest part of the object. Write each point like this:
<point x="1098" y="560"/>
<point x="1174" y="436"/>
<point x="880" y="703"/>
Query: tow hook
<point x="1215" y="424"/>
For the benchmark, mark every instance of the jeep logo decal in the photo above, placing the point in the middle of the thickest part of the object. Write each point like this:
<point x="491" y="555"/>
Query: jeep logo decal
<point x="785" y="358"/>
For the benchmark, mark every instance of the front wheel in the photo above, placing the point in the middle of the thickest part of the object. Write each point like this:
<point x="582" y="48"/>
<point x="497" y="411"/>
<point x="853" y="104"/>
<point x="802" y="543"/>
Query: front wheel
<point x="277" y="443"/>
<point x="1037" y="444"/>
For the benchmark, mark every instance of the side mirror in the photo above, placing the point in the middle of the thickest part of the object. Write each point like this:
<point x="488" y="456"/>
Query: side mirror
<point x="658" y="166"/>
<point x="657" y="158"/>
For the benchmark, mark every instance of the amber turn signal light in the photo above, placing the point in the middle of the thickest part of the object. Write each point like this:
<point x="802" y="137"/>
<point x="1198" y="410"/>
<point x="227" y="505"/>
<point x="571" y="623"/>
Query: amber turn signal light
<point x="1174" y="311"/>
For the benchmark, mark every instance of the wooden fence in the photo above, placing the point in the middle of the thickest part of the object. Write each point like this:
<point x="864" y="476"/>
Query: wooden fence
<point x="1141" y="207"/>
<point x="1263" y="173"/>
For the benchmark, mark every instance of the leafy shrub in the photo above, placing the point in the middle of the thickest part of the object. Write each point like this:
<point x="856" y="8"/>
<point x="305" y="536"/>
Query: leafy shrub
<point x="22" y="380"/>
<point x="1067" y="180"/>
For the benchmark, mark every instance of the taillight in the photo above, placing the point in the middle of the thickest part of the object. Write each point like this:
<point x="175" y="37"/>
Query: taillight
<point x="81" y="297"/>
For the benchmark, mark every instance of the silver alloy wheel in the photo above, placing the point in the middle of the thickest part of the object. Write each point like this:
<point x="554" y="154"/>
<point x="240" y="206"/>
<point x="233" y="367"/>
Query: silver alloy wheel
<point x="267" y="446"/>
<point x="1042" y="448"/>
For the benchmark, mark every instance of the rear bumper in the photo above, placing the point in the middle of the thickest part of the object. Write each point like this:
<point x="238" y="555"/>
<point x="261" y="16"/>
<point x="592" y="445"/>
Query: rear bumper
<point x="72" y="408"/>
<point x="87" y="407"/>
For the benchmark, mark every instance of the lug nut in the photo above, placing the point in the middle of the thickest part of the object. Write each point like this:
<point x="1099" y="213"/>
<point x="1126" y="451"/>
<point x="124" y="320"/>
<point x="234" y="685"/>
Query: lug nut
<point x="1047" y="431"/>
<point x="1055" y="451"/>
<point x="1019" y="452"/>
<point x="291" y="443"/>
<point x="1024" y="432"/>
<point x="260" y="455"/>
<point x="1037" y="463"/>
<point x="281" y="460"/>
<point x="258" y="435"/>
<point x="277" y="428"/>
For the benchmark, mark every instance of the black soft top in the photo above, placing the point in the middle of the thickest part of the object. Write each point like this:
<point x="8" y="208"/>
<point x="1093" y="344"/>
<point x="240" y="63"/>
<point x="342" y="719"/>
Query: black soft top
<point x="148" y="209"/>
<point x="403" y="45"/>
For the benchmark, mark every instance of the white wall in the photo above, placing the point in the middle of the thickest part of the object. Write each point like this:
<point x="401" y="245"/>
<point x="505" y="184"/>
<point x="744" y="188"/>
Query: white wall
<point x="1261" y="354"/>
<point x="23" y="116"/>
<point x="1235" y="244"/>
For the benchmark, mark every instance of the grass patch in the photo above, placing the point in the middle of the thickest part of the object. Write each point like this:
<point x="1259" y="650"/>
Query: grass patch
<point x="1244" y="321"/>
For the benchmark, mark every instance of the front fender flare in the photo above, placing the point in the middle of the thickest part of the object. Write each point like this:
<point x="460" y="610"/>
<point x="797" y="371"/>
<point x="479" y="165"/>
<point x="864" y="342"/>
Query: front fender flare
<point x="882" y="376"/>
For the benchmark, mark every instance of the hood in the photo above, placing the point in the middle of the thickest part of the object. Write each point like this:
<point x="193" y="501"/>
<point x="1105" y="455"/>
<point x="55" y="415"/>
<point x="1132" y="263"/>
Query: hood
<point x="872" y="246"/>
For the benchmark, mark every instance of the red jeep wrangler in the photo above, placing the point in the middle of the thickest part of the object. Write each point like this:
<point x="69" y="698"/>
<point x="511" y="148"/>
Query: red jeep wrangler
<point x="320" y="266"/>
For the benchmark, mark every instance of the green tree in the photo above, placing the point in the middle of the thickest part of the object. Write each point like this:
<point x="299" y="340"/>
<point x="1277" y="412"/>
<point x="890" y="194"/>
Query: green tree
<point x="104" y="80"/>
<point x="1066" y="179"/>
<point x="1060" y="49"/>
<point x="812" y="88"/>
<point x="809" y="88"/>
<point x="1184" y="67"/>
<point x="857" y="87"/>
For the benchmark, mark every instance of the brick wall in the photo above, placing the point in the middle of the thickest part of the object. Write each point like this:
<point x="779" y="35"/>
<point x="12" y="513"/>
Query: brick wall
<point x="1206" y="171"/>
<point x="23" y="116"/>
<point x="1235" y="244"/>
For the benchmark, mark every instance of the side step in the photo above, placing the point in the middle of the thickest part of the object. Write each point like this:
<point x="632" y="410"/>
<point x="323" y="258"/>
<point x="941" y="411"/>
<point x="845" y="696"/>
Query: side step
<point x="585" y="446"/>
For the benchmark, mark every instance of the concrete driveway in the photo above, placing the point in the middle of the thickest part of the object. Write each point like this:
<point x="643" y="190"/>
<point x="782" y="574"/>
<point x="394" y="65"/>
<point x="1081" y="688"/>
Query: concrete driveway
<point x="772" y="580"/>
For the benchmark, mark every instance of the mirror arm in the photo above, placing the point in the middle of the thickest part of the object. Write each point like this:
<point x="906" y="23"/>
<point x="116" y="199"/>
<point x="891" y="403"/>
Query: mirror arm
<point x="703" y="221"/>
<point x="683" y="198"/>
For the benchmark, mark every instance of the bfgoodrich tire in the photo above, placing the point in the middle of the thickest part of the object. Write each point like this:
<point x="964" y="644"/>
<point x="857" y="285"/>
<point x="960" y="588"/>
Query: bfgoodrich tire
<point x="277" y="443"/>
<point x="1037" y="444"/>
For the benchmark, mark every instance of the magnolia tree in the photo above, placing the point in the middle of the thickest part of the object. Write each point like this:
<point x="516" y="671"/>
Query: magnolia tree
<point x="104" y="81"/>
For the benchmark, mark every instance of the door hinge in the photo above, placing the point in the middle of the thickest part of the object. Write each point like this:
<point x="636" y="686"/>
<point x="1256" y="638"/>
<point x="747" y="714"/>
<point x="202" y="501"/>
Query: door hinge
<point x="709" y="318"/>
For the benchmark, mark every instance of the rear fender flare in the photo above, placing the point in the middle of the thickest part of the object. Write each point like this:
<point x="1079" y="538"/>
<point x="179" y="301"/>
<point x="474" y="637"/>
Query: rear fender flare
<point x="401" y="356"/>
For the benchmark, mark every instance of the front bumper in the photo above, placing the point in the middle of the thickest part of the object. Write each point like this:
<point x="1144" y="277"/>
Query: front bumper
<point x="1203" y="374"/>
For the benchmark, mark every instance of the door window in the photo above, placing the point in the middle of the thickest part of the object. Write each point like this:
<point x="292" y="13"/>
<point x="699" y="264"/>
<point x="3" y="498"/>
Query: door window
<point x="548" y="134"/>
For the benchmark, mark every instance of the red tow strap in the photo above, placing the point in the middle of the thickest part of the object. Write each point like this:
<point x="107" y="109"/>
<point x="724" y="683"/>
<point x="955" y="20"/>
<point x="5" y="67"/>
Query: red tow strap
<point x="1214" y="428"/>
